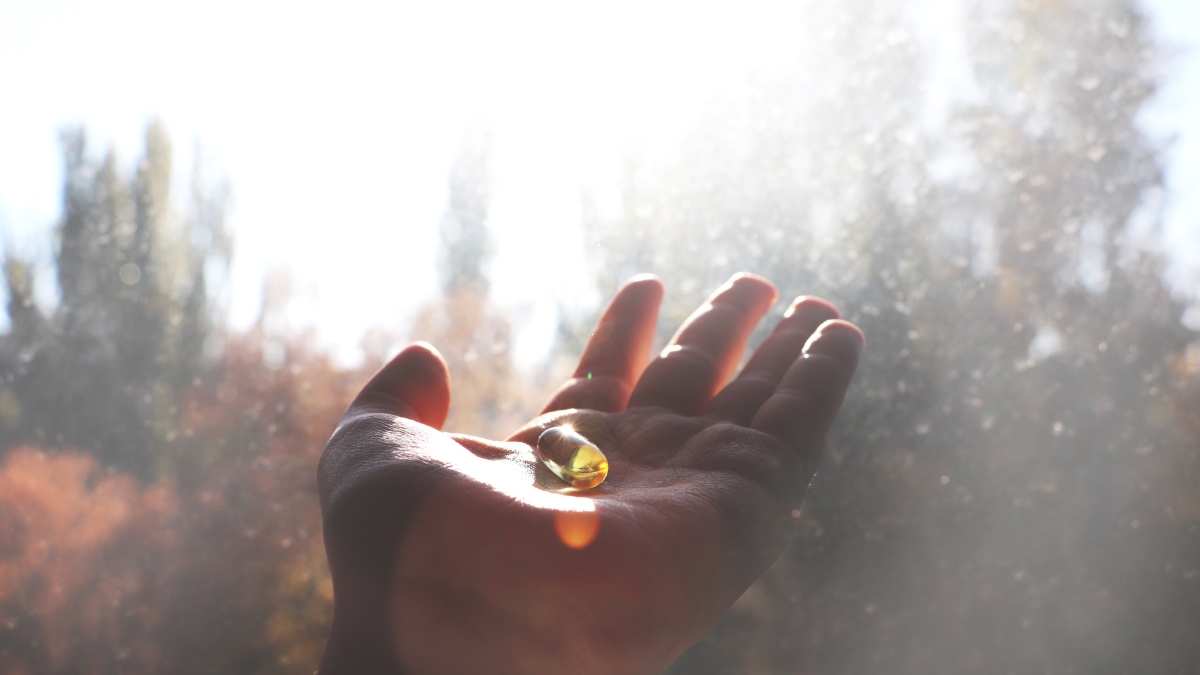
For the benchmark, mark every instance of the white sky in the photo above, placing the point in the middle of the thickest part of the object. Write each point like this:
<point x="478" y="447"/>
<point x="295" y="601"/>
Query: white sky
<point x="1177" y="115"/>
<point x="336" y="124"/>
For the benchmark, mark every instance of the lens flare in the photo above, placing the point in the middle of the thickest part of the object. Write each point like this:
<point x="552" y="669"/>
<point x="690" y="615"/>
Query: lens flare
<point x="577" y="529"/>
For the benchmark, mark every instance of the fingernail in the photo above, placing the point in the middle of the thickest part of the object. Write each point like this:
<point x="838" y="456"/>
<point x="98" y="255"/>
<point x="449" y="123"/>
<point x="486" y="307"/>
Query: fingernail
<point x="811" y="303"/>
<point x="644" y="276"/>
<point x="744" y="288"/>
<point x="838" y="339"/>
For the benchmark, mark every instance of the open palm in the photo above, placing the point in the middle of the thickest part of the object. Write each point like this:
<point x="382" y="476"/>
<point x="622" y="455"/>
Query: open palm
<point x="453" y="554"/>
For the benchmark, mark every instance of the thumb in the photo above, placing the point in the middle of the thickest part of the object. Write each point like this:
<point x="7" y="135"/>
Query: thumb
<point x="415" y="385"/>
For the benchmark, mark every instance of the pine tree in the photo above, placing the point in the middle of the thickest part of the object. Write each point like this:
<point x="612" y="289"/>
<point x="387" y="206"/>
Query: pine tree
<point x="471" y="334"/>
<point x="467" y="245"/>
<point x="104" y="370"/>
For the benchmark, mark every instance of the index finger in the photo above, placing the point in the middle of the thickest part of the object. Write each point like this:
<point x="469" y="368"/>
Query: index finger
<point x="705" y="351"/>
<point x="617" y="351"/>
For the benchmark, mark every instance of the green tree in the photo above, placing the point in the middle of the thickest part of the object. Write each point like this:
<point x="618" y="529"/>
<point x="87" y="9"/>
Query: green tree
<point x="467" y="244"/>
<point x="105" y="369"/>
<point x="490" y="400"/>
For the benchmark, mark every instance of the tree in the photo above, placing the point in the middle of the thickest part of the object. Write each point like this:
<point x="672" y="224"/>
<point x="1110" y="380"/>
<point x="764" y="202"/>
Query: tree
<point x="467" y="246"/>
<point x="475" y="338"/>
<point x="105" y="369"/>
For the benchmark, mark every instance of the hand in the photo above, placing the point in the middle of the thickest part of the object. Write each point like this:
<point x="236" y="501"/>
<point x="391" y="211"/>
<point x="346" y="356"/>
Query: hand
<point x="453" y="554"/>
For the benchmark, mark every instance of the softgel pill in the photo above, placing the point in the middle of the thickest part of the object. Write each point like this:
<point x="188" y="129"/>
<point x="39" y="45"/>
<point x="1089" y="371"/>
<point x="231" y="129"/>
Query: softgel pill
<point x="572" y="457"/>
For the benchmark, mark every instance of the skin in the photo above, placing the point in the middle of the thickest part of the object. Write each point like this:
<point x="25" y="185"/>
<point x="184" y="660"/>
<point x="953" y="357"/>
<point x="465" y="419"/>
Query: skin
<point x="453" y="554"/>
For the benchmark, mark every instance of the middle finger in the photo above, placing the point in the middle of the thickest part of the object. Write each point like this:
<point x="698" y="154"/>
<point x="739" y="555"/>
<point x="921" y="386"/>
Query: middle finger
<point x="741" y="398"/>
<point x="705" y="351"/>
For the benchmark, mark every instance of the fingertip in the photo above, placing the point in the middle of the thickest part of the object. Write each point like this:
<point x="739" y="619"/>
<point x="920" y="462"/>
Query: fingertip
<point x="811" y="304"/>
<point x="644" y="277"/>
<point x="750" y="275"/>
<point x="837" y="339"/>
<point x="748" y="290"/>
<point x="424" y="358"/>
<point x="429" y="349"/>
<point x="643" y="288"/>
<point x="418" y="378"/>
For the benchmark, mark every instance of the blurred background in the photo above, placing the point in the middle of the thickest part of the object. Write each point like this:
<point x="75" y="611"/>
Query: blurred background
<point x="217" y="219"/>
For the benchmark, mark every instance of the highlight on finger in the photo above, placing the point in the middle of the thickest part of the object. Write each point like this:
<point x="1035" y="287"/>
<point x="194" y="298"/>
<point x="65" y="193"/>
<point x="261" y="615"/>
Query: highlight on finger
<point x="706" y="349"/>
<point x="804" y="405"/>
<point x="415" y="384"/>
<point x="617" y="351"/>
<point x="740" y="399"/>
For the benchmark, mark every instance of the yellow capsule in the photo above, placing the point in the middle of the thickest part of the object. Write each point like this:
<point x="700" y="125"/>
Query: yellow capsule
<point x="572" y="457"/>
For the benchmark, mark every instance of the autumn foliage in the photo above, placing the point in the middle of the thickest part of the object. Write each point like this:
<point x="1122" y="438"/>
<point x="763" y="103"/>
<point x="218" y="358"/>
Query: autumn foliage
<point x="218" y="569"/>
<point x="79" y="547"/>
<point x="158" y="498"/>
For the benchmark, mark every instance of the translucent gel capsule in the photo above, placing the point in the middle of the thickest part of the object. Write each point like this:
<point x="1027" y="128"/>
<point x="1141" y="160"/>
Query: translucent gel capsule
<point x="572" y="457"/>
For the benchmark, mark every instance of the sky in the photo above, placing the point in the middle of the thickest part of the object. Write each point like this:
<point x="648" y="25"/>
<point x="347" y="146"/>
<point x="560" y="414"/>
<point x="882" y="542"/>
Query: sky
<point x="1175" y="117"/>
<point x="336" y="126"/>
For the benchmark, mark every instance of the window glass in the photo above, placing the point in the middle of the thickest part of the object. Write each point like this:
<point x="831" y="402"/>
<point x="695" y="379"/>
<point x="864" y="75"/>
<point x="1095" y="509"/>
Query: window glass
<point x="1013" y="484"/>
